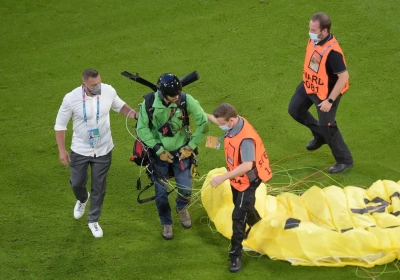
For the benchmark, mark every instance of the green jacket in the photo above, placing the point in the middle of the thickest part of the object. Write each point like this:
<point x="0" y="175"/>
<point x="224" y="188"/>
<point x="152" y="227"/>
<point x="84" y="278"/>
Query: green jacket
<point x="148" y="133"/>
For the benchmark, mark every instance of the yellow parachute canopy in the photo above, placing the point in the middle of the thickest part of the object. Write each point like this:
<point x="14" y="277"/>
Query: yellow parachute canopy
<point x="332" y="226"/>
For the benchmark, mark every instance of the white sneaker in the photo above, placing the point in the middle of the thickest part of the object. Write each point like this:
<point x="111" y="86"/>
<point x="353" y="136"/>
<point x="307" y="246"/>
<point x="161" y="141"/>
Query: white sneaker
<point x="79" y="209"/>
<point x="96" y="229"/>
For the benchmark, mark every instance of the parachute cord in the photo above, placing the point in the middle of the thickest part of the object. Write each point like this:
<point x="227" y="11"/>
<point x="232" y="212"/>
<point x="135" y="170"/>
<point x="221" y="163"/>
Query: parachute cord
<point x="208" y="223"/>
<point x="252" y="254"/>
<point x="195" y="196"/>
<point x="294" y="182"/>
<point x="126" y="124"/>
<point x="397" y="266"/>
<point x="298" y="154"/>
<point x="370" y="275"/>
<point x="304" y="178"/>
<point x="377" y="274"/>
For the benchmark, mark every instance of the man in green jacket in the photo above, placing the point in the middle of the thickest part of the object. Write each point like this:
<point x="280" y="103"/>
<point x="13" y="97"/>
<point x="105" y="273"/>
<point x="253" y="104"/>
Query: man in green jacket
<point x="166" y="132"/>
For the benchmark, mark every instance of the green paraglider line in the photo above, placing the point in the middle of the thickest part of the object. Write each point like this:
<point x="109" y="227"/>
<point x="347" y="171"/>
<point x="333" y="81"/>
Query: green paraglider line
<point x="372" y="276"/>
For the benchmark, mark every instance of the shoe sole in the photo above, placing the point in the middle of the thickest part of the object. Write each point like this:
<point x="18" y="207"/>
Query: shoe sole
<point x="235" y="270"/>
<point x="313" y="149"/>
<point x="167" y="238"/>
<point x="185" y="227"/>
<point x="77" y="218"/>
<point x="341" y="171"/>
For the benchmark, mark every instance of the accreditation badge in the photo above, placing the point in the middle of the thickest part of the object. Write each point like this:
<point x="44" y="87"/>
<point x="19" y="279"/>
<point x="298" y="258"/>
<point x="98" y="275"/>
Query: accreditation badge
<point x="315" y="61"/>
<point x="94" y="137"/>
<point x="213" y="142"/>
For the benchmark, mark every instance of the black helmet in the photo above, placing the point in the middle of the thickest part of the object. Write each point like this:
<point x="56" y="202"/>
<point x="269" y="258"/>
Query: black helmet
<point x="169" y="85"/>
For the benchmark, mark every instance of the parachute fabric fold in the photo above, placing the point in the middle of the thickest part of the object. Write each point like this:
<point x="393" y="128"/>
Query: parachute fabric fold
<point x="329" y="226"/>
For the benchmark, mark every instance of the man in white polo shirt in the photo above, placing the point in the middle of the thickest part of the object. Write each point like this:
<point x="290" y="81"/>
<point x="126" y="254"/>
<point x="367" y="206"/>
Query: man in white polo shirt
<point x="89" y="106"/>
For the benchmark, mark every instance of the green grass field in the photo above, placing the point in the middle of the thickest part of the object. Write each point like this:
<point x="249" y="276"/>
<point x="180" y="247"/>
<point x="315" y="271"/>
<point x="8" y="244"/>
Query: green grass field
<point x="248" y="53"/>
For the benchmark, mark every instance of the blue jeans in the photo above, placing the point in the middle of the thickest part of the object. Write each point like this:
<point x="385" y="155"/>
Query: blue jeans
<point x="183" y="179"/>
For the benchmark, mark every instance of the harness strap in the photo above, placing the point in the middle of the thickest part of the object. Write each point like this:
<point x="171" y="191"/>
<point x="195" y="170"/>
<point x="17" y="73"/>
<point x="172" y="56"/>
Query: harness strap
<point x="144" y="200"/>
<point x="192" y="166"/>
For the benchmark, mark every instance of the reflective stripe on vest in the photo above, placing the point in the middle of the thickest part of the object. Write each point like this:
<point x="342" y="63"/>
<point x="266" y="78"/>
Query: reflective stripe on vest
<point x="315" y="77"/>
<point x="232" y="156"/>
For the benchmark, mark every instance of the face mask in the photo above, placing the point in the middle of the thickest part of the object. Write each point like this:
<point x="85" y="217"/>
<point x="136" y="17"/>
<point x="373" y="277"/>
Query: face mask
<point x="96" y="90"/>
<point x="225" y="127"/>
<point x="314" y="36"/>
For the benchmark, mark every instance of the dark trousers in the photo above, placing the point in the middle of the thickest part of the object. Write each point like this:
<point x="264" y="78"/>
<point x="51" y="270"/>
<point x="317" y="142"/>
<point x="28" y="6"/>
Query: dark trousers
<point x="79" y="176"/>
<point x="325" y="129"/>
<point x="243" y="213"/>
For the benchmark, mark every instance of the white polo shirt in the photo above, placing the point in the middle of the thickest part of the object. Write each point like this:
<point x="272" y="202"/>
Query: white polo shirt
<point x="72" y="106"/>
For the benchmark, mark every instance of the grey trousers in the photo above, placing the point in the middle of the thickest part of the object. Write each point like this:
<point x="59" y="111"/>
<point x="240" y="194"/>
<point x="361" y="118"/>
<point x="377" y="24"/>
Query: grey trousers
<point x="79" y="176"/>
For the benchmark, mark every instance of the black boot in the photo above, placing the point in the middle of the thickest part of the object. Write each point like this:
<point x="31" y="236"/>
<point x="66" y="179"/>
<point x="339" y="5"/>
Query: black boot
<point x="340" y="167"/>
<point x="315" y="144"/>
<point x="236" y="264"/>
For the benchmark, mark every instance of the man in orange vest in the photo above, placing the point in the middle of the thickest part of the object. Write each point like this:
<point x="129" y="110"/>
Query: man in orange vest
<point x="248" y="165"/>
<point x="325" y="80"/>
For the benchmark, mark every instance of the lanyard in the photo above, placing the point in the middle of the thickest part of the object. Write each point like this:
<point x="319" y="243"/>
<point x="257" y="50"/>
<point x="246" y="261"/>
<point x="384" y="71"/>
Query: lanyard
<point x="84" y="107"/>
<point x="226" y="134"/>
<point x="328" y="47"/>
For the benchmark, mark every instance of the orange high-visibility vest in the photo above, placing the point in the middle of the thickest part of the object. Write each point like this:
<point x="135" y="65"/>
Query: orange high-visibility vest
<point x="233" y="157"/>
<point x="315" y="77"/>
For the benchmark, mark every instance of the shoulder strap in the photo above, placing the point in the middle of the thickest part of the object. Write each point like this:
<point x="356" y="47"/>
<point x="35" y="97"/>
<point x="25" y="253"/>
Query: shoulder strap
<point x="183" y="106"/>
<point x="148" y="101"/>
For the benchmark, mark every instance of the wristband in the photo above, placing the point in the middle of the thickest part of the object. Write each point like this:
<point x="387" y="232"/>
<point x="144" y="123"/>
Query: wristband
<point x="330" y="100"/>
